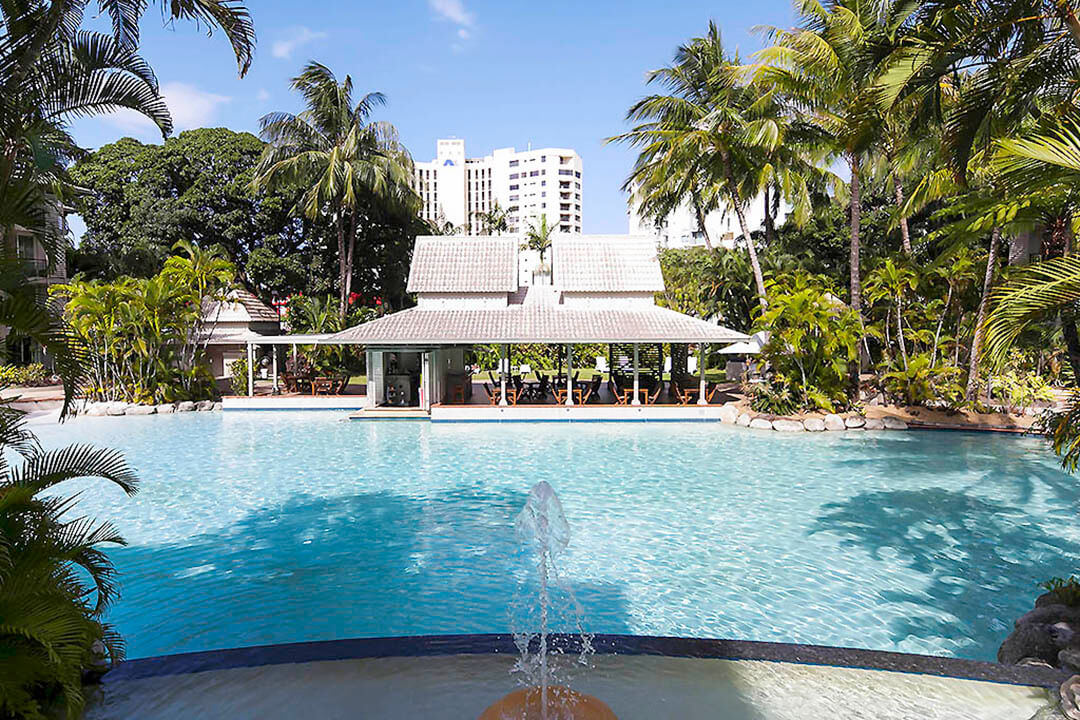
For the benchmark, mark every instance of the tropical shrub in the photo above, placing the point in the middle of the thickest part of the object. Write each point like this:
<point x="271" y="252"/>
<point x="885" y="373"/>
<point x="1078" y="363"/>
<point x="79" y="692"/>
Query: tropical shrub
<point x="813" y="340"/>
<point x="919" y="383"/>
<point x="238" y="376"/>
<point x="1020" y="390"/>
<point x="309" y="314"/>
<point x="1067" y="592"/>
<point x="775" y="397"/>
<point x="56" y="582"/>
<point x="30" y="375"/>
<point x="147" y="337"/>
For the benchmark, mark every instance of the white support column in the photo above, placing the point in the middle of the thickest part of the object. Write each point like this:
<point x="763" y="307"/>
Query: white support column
<point x="569" y="374"/>
<point x="502" y="374"/>
<point x="371" y="394"/>
<point x="637" y="382"/>
<point x="425" y="381"/>
<point x="251" y="369"/>
<point x="274" y="350"/>
<point x="701" y="400"/>
<point x="294" y="357"/>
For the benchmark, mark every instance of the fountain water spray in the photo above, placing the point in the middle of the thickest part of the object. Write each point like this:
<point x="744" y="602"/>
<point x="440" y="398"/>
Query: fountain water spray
<point x="544" y="533"/>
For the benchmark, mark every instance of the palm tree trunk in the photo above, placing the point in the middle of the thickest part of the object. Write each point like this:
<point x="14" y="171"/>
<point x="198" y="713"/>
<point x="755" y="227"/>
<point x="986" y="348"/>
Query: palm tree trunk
<point x="770" y="224"/>
<point x="856" y="219"/>
<point x="342" y="262"/>
<point x="349" y="264"/>
<point x="701" y="224"/>
<point x="941" y="322"/>
<point x="900" y="331"/>
<point x="984" y="301"/>
<point x="759" y="279"/>
<point x="905" y="235"/>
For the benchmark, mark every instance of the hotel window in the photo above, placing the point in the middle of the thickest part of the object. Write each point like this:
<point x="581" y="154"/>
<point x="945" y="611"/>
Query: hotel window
<point x="577" y="173"/>
<point x="566" y="172"/>
<point x="543" y="159"/>
<point x="534" y="173"/>
<point x="513" y="198"/>
<point x="513" y="176"/>
<point x="513" y="163"/>
<point x="514" y="187"/>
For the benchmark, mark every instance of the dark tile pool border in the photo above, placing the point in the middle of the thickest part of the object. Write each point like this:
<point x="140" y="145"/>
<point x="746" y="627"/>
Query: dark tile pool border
<point x="502" y="644"/>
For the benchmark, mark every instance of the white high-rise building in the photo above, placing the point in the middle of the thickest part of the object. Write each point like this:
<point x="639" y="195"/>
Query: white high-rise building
<point x="680" y="229"/>
<point x="527" y="185"/>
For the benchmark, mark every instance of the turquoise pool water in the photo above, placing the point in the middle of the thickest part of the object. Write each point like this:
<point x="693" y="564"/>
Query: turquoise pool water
<point x="257" y="528"/>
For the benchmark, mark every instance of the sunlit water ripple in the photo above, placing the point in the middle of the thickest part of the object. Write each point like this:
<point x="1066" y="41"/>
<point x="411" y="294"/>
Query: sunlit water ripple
<point x="257" y="528"/>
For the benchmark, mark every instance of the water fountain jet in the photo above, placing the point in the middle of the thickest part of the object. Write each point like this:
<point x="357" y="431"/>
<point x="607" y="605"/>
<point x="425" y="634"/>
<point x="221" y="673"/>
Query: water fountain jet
<point x="542" y="528"/>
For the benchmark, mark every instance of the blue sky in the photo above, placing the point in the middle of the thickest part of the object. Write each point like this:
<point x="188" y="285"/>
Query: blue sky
<point x="497" y="74"/>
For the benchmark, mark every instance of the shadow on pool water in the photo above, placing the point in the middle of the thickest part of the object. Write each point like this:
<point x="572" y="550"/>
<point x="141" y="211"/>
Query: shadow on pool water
<point x="370" y="564"/>
<point x="962" y="543"/>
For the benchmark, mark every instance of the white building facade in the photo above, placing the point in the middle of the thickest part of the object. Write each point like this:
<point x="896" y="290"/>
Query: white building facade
<point x="681" y="228"/>
<point x="528" y="185"/>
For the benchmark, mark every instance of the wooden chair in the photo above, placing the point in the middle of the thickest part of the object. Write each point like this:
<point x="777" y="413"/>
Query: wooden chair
<point x="493" y="395"/>
<point x="322" y="386"/>
<point x="621" y="396"/>
<point x="591" y="389"/>
<point x="684" y="396"/>
<point x="651" y="396"/>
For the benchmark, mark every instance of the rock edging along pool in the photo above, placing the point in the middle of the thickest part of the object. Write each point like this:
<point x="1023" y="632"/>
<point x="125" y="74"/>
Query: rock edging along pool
<point x="264" y="528"/>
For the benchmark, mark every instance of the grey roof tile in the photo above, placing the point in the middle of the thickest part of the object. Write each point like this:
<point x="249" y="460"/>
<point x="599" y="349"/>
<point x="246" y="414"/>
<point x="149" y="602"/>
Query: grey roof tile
<point x="605" y="263"/>
<point x="443" y="264"/>
<point x="535" y="323"/>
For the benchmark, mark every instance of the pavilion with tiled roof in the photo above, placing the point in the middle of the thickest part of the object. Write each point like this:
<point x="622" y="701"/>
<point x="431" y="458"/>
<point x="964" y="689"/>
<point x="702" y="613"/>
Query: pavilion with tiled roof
<point x="473" y="291"/>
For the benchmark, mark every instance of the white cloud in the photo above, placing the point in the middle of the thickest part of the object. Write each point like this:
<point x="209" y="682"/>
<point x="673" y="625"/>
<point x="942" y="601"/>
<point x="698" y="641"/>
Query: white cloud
<point x="299" y="37"/>
<point x="452" y="10"/>
<point x="190" y="108"/>
<point x="463" y="33"/>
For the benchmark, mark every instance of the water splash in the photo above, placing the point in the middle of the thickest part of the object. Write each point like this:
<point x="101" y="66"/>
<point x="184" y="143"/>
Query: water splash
<point x="542" y="529"/>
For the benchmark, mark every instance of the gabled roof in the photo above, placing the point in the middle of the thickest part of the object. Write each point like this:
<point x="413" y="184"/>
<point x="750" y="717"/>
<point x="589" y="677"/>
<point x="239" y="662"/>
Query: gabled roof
<point x="463" y="264"/>
<point x="241" y="306"/>
<point x="535" y="323"/>
<point x="605" y="263"/>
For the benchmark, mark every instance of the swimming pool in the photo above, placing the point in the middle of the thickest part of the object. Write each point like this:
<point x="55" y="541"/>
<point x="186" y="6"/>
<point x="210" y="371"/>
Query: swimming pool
<point x="256" y="528"/>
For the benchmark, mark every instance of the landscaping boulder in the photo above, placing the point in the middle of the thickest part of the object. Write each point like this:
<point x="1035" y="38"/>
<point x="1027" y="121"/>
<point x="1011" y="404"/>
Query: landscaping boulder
<point x="1034" y="640"/>
<point x="814" y="424"/>
<point x="140" y="410"/>
<point x="834" y="422"/>
<point x="116" y="408"/>
<point x="1069" y="659"/>
<point x="1050" y="615"/>
<point x="204" y="405"/>
<point x="855" y="421"/>
<point x="1070" y="697"/>
<point x="96" y="409"/>
<point x="217" y="406"/>
<point x="874" y="424"/>
<point x="729" y="413"/>
<point x="185" y="406"/>
<point x="894" y="423"/>
<point x="760" y="424"/>
<point x="787" y="425"/>
<point x="166" y="408"/>
<point x="743" y="420"/>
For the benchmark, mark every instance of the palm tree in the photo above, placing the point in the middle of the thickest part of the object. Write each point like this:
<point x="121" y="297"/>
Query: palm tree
<point x="495" y="221"/>
<point x="827" y="69"/>
<point x="344" y="159"/>
<point x="55" y="581"/>
<point x="704" y="142"/>
<point x="51" y="71"/>
<point x="538" y="237"/>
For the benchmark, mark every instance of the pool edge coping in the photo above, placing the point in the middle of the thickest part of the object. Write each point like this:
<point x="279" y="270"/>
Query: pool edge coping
<point x="604" y="644"/>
